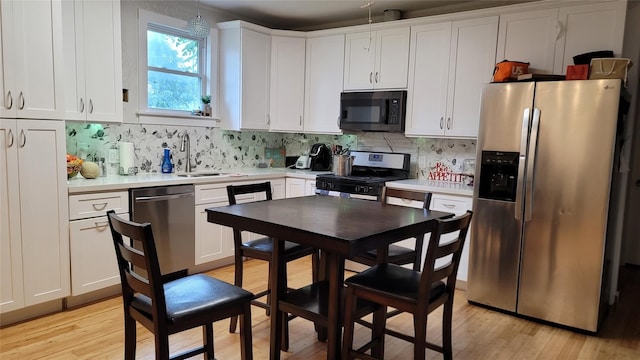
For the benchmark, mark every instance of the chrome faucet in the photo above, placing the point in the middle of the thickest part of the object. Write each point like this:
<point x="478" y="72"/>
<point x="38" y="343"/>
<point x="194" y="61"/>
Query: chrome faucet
<point x="186" y="146"/>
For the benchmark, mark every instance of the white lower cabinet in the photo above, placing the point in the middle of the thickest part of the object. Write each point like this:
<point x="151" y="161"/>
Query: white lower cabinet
<point x="213" y="241"/>
<point x="93" y="259"/>
<point x="34" y="264"/>
<point x="297" y="187"/>
<point x="457" y="205"/>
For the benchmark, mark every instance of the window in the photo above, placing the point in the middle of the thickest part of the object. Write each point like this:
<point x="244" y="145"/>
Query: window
<point x="175" y="70"/>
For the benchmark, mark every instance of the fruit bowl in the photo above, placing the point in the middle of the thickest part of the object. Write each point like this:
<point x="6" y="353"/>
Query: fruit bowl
<point x="74" y="165"/>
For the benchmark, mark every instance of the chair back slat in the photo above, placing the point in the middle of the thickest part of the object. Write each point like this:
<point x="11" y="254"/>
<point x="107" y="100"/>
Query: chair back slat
<point x="139" y="268"/>
<point x="424" y="198"/>
<point x="452" y="250"/>
<point x="233" y="190"/>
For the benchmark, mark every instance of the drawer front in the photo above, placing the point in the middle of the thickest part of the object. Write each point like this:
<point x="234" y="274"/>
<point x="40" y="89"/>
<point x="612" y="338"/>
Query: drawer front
<point x="92" y="205"/>
<point x="212" y="194"/>
<point x="455" y="204"/>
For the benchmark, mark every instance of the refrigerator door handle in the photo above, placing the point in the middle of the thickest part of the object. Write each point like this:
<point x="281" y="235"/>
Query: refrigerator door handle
<point x="531" y="161"/>
<point x="526" y="115"/>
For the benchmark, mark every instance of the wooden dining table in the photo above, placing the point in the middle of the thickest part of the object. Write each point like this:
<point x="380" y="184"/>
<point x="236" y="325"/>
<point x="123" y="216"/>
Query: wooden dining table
<point x="340" y="228"/>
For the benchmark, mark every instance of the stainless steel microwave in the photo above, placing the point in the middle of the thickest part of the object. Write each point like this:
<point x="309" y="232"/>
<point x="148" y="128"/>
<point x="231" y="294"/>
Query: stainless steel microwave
<point x="373" y="110"/>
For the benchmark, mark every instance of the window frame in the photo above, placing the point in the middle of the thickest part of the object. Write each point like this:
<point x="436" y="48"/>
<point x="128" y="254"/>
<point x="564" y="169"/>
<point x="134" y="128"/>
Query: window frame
<point x="148" y="115"/>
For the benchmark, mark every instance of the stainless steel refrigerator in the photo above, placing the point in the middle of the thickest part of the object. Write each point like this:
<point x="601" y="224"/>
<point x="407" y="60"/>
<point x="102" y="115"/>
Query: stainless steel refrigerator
<point x="545" y="155"/>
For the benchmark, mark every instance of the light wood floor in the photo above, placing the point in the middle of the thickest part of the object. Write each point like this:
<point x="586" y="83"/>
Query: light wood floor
<point x="96" y="332"/>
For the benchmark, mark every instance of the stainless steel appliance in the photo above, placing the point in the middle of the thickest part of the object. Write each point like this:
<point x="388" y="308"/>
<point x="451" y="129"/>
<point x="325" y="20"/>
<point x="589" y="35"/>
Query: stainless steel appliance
<point x="369" y="172"/>
<point x="544" y="166"/>
<point x="373" y="110"/>
<point x="170" y="210"/>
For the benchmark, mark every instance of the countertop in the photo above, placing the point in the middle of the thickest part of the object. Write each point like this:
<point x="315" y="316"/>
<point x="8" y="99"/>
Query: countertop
<point x="117" y="182"/>
<point x="440" y="187"/>
<point x="80" y="185"/>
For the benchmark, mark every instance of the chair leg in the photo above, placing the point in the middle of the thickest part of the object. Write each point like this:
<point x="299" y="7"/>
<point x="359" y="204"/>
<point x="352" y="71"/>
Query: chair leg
<point x="238" y="282"/>
<point x="285" y="317"/>
<point x="447" y="315"/>
<point x="162" y="345"/>
<point x="420" y="328"/>
<point x="377" y="333"/>
<point x="349" y="313"/>
<point x="129" y="338"/>
<point x="208" y="341"/>
<point x="268" y="311"/>
<point x="315" y="266"/>
<point x="246" y="350"/>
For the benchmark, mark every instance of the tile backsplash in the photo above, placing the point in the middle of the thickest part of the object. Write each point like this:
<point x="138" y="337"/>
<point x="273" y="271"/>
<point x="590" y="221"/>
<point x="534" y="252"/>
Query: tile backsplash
<point x="212" y="148"/>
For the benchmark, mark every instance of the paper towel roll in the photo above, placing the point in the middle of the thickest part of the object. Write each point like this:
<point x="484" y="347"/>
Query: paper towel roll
<point x="127" y="165"/>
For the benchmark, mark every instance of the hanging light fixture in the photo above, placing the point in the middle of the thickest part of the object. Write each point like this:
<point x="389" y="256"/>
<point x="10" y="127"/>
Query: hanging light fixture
<point x="198" y="27"/>
<point x="370" y="20"/>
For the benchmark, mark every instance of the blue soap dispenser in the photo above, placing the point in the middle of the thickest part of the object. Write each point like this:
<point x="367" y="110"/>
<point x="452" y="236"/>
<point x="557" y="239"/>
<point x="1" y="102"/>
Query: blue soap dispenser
<point x="167" y="167"/>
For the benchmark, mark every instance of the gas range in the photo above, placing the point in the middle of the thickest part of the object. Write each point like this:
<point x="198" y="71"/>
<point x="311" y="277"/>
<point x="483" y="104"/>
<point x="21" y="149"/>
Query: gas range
<point x="369" y="173"/>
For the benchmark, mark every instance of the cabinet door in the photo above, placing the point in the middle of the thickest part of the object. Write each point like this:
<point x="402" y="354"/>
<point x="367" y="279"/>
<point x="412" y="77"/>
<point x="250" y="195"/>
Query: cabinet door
<point x="323" y="84"/>
<point x="93" y="258"/>
<point x="255" y="74"/>
<point x="44" y="213"/>
<point x="531" y="37"/>
<point x="7" y="69"/>
<point x="295" y="187"/>
<point x="213" y="241"/>
<point x="473" y="49"/>
<point x="102" y="51"/>
<point x="392" y="58"/>
<point x="428" y="74"/>
<point x="310" y="187"/>
<point x="588" y="28"/>
<point x="278" y="189"/>
<point x="457" y="205"/>
<point x="36" y="58"/>
<point x="11" y="289"/>
<point x="359" y="61"/>
<point x="287" y="84"/>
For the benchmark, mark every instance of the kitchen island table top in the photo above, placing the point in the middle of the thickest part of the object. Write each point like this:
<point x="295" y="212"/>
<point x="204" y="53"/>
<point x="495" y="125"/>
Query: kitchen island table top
<point x="339" y="227"/>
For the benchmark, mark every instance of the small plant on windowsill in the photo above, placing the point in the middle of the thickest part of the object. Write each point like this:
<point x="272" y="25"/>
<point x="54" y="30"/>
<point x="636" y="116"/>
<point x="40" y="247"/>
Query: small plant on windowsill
<point x="206" y="107"/>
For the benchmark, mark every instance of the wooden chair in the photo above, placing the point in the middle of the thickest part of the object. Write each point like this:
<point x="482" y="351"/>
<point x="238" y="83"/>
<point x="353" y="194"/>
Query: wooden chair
<point x="398" y="254"/>
<point x="410" y="291"/>
<point x="166" y="308"/>
<point x="262" y="249"/>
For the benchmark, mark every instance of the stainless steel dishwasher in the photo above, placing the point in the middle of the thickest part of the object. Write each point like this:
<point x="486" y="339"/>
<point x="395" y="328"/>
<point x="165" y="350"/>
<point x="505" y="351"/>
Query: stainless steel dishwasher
<point x="171" y="212"/>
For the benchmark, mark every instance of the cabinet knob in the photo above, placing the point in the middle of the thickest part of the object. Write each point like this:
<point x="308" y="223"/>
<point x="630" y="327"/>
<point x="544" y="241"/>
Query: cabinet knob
<point x="21" y="101"/>
<point x="81" y="105"/>
<point x="90" y="106"/>
<point x="441" y="122"/>
<point x="449" y="123"/>
<point x="376" y="77"/>
<point x="23" y="136"/>
<point x="371" y="77"/>
<point x="10" y="140"/>
<point x="9" y="100"/>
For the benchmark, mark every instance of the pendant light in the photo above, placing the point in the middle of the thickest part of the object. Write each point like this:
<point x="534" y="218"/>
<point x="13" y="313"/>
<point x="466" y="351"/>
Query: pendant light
<point x="370" y="20"/>
<point x="198" y="27"/>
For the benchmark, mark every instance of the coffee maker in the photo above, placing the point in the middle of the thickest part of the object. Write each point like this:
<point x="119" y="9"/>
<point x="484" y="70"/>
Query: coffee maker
<point x="320" y="157"/>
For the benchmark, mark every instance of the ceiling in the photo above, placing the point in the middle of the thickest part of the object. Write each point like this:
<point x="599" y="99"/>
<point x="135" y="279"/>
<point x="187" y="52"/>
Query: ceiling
<point x="316" y="14"/>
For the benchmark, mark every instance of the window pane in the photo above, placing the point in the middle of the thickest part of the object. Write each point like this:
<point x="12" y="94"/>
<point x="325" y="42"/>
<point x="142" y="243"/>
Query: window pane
<point x="172" y="52"/>
<point x="174" y="92"/>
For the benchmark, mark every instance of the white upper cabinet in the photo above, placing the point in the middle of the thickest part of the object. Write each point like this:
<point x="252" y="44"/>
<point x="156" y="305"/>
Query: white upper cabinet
<point x="32" y="66"/>
<point x="287" y="84"/>
<point x="449" y="63"/>
<point x="586" y="28"/>
<point x="245" y="73"/>
<point x="93" y="60"/>
<point x="550" y="38"/>
<point x="323" y="84"/>
<point x="530" y="37"/>
<point x="376" y="60"/>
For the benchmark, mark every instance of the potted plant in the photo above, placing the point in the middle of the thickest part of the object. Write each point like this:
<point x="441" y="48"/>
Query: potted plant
<point x="206" y="108"/>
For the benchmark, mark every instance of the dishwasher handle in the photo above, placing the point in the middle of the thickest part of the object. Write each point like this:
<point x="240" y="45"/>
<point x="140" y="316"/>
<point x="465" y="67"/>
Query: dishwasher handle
<point x="162" y="197"/>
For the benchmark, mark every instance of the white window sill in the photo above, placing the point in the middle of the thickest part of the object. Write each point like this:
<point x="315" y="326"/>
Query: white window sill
<point x="179" y="119"/>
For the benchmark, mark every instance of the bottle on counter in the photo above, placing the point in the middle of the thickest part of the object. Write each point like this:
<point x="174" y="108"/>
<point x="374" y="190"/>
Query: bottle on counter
<point x="167" y="166"/>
